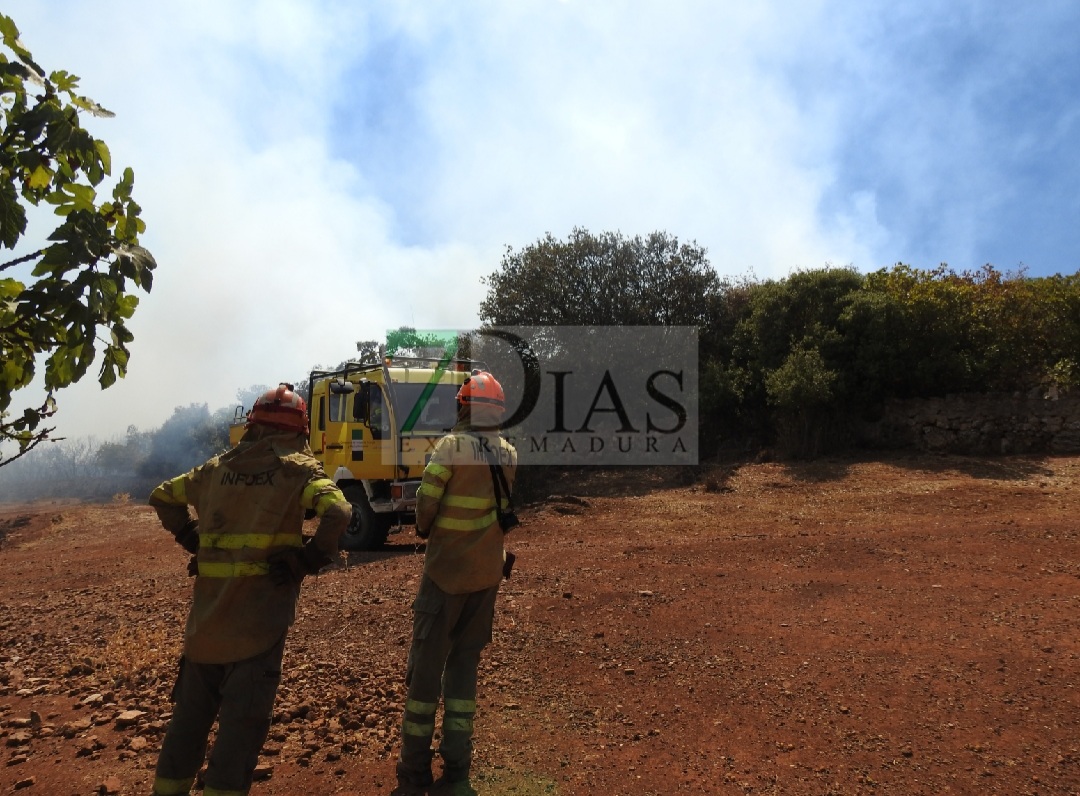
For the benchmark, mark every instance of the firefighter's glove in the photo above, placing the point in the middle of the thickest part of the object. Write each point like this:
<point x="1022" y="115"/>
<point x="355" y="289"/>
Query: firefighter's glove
<point x="188" y="536"/>
<point x="193" y="566"/>
<point x="293" y="565"/>
<point x="508" y="564"/>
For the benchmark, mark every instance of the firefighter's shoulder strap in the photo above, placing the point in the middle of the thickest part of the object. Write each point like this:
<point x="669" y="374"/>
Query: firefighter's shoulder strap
<point x="498" y="478"/>
<point x="507" y="518"/>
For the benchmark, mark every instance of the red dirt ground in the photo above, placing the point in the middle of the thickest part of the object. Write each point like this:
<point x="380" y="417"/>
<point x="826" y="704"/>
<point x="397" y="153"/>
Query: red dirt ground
<point x="852" y="626"/>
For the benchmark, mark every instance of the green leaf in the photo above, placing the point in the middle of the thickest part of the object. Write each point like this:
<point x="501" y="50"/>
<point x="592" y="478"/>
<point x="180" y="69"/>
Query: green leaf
<point x="15" y="374"/>
<point x="11" y="39"/>
<point x="40" y="178"/>
<point x="120" y="335"/>
<point x="126" y="305"/>
<point x="91" y="106"/>
<point x="8" y="29"/>
<point x="65" y="81"/>
<point x="120" y="357"/>
<point x="12" y="217"/>
<point x="104" y="155"/>
<point x="83" y="196"/>
<point x="60" y="369"/>
<point x="55" y="259"/>
<point x="107" y="376"/>
<point x="122" y="191"/>
<point x="138" y="264"/>
<point x="10" y="288"/>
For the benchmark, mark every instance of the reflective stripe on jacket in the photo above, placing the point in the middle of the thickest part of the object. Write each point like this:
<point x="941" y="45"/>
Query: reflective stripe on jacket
<point x="455" y="505"/>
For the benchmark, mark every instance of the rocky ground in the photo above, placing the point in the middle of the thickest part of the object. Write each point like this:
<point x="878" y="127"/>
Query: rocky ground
<point x="906" y="626"/>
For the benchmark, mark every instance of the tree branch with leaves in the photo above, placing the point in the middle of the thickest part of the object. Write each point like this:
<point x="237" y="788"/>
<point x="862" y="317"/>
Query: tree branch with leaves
<point x="79" y="292"/>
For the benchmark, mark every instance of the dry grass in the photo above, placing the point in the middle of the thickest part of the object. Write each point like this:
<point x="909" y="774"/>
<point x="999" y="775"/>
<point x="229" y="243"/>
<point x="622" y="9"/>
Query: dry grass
<point x="132" y="654"/>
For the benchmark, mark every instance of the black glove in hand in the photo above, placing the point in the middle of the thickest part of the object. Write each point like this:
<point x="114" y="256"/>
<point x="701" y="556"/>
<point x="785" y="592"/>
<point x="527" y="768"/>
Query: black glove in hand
<point x="290" y="566"/>
<point x="188" y="536"/>
<point x="193" y="566"/>
<point x="286" y="567"/>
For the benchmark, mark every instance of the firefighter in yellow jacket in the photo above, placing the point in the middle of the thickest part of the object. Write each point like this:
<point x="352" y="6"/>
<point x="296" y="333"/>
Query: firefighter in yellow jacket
<point x="463" y="566"/>
<point x="249" y="557"/>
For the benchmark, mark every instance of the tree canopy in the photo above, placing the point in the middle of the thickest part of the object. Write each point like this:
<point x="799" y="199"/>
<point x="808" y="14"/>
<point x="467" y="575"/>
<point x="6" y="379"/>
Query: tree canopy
<point x="603" y="280"/>
<point x="77" y="293"/>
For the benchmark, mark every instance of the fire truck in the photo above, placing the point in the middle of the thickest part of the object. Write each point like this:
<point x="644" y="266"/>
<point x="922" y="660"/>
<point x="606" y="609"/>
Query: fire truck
<point x="373" y="426"/>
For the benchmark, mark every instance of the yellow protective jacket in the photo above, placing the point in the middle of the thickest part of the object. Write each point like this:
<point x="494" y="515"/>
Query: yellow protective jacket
<point x="455" y="509"/>
<point x="250" y="503"/>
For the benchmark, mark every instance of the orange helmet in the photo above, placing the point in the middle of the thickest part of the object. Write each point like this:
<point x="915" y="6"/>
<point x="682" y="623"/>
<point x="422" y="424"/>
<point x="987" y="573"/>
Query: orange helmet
<point x="281" y="408"/>
<point x="481" y="388"/>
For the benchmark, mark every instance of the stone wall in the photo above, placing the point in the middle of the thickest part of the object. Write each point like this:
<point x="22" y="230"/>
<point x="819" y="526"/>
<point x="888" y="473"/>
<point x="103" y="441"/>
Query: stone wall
<point x="1007" y="423"/>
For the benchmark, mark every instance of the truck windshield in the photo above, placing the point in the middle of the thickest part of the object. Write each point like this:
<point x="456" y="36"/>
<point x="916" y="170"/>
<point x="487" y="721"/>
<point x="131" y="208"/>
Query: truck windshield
<point x="438" y="413"/>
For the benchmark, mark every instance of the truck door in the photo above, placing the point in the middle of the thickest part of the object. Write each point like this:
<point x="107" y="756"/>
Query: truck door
<point x="372" y="438"/>
<point x="333" y="427"/>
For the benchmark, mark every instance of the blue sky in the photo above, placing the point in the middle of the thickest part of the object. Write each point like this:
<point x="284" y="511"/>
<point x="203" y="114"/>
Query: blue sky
<point x="313" y="172"/>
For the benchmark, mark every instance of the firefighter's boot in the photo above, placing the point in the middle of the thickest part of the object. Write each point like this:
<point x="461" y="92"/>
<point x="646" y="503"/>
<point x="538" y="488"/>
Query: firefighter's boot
<point x="456" y="745"/>
<point x="417" y="729"/>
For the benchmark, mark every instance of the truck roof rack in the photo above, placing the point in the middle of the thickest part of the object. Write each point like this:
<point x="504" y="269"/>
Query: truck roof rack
<point x="459" y="364"/>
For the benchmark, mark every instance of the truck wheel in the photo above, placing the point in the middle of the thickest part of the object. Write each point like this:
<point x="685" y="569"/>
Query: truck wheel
<point x="367" y="530"/>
